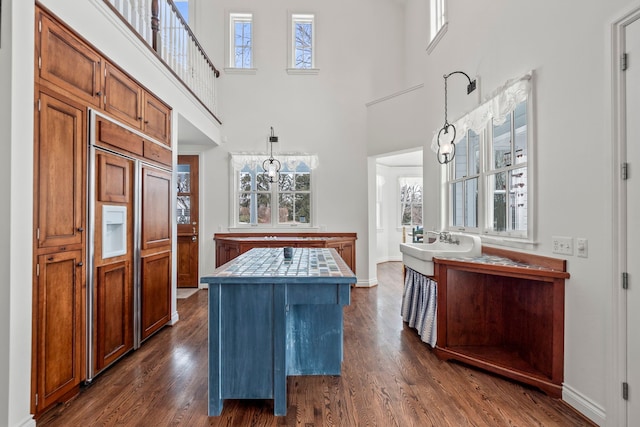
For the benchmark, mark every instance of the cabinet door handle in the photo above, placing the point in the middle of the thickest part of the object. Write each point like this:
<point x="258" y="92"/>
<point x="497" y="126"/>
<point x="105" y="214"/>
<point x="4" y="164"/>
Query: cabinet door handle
<point x="98" y="93"/>
<point x="80" y="229"/>
<point x="80" y="264"/>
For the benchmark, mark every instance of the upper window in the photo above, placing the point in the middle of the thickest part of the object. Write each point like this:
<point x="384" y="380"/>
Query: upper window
<point x="489" y="180"/>
<point x="241" y="40"/>
<point x="183" y="8"/>
<point x="437" y="21"/>
<point x="410" y="201"/>
<point x="302" y="43"/>
<point x="287" y="202"/>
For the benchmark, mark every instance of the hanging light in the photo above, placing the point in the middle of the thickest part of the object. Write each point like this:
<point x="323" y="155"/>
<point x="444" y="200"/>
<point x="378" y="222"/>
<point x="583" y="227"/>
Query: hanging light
<point x="447" y="135"/>
<point x="271" y="166"/>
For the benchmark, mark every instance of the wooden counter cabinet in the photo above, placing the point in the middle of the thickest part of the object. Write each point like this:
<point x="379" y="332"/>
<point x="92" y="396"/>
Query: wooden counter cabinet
<point x="230" y="245"/>
<point x="507" y="319"/>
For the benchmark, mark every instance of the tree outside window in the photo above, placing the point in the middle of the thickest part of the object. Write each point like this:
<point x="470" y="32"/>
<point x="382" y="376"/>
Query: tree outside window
<point x="410" y="201"/>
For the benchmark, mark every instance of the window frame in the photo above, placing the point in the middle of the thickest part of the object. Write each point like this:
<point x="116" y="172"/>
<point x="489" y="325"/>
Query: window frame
<point x="294" y="18"/>
<point x="274" y="193"/>
<point x="485" y="206"/>
<point x="232" y="18"/>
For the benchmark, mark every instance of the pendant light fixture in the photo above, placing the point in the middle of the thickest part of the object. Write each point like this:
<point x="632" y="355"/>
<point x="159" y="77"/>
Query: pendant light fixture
<point x="271" y="166"/>
<point x="447" y="135"/>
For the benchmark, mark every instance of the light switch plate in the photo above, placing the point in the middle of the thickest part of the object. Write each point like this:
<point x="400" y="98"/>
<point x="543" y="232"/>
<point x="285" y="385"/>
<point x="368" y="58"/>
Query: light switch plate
<point x="582" y="247"/>
<point x="562" y="245"/>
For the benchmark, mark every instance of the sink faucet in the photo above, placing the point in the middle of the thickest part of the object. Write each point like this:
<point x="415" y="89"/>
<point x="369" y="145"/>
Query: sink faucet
<point x="446" y="237"/>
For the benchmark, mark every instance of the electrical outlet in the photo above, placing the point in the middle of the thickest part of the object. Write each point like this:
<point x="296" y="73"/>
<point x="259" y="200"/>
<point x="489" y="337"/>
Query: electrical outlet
<point x="562" y="245"/>
<point x="582" y="247"/>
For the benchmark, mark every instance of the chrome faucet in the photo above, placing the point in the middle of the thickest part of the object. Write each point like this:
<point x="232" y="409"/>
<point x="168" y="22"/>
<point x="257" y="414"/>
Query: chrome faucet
<point x="446" y="237"/>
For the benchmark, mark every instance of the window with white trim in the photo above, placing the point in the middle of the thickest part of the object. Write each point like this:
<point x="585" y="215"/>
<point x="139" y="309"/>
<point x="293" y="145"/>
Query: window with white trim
<point x="241" y="40"/>
<point x="410" y="200"/>
<point x="438" y="18"/>
<point x="287" y="202"/>
<point x="302" y="35"/>
<point x="488" y="184"/>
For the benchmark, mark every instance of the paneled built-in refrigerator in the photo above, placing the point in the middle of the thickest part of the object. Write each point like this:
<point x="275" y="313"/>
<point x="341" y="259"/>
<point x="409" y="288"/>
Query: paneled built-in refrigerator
<point x="129" y="272"/>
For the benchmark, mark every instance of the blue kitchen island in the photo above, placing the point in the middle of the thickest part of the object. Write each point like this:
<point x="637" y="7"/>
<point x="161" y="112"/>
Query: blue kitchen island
<point x="271" y="317"/>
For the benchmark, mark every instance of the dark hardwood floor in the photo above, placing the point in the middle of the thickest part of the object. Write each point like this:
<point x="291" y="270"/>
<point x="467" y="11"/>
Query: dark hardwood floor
<point x="389" y="378"/>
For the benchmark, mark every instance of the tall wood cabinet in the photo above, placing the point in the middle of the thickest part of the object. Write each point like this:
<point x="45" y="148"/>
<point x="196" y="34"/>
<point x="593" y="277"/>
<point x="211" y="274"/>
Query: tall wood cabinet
<point x="71" y="76"/>
<point x="59" y="282"/>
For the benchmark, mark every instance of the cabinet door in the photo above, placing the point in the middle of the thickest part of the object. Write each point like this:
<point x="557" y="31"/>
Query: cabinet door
<point x="114" y="310"/>
<point x="156" y="119"/>
<point x="156" y="208"/>
<point x="155" y="292"/>
<point x="60" y="166"/>
<point x="59" y="327"/>
<point x="67" y="62"/>
<point x="123" y="97"/>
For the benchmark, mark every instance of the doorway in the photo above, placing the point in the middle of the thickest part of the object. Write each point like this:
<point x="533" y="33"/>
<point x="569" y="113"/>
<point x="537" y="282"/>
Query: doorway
<point x="187" y="217"/>
<point x="625" y="406"/>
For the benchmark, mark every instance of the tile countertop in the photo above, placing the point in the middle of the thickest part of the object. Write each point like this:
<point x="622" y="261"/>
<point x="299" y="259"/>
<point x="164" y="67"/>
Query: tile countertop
<point x="268" y="265"/>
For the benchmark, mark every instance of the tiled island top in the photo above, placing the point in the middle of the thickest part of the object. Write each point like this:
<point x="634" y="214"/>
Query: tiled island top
<point x="268" y="265"/>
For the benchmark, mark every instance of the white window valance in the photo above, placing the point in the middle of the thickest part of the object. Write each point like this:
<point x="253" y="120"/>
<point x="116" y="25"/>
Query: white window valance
<point x="495" y="107"/>
<point x="253" y="160"/>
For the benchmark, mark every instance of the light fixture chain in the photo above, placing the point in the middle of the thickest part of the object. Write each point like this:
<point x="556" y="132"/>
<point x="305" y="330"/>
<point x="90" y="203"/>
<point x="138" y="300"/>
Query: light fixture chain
<point x="446" y="122"/>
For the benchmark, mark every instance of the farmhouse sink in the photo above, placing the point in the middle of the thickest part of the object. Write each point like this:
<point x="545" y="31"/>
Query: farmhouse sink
<point x="419" y="256"/>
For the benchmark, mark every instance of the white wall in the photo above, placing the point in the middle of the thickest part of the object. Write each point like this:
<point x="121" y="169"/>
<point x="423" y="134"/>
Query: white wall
<point x="566" y="44"/>
<point x="323" y="114"/>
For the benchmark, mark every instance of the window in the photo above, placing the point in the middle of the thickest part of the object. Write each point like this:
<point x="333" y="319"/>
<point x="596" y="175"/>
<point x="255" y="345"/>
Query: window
<point x="488" y="183"/>
<point x="410" y="201"/>
<point x="183" y="8"/>
<point x="287" y="202"/>
<point x="437" y="21"/>
<point x="241" y="40"/>
<point x="302" y="44"/>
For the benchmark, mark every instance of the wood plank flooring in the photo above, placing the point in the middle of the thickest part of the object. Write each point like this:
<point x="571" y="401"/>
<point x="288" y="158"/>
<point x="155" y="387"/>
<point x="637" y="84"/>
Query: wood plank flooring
<point x="389" y="378"/>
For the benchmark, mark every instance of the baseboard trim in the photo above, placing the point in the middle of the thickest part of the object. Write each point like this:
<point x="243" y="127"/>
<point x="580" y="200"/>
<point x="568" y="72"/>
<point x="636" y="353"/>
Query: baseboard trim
<point x="583" y="405"/>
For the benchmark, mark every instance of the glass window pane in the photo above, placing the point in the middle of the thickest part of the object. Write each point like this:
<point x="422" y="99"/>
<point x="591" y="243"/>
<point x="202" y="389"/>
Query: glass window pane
<point x="264" y="208"/>
<point x="416" y="214"/>
<point x="460" y="158"/>
<point x="184" y="178"/>
<point x="520" y="121"/>
<point x="502" y="143"/>
<point x="244" y="210"/>
<point x="286" y="181"/>
<point x="474" y="153"/>
<point x="303" y="181"/>
<point x="498" y="189"/>
<point x="262" y="182"/>
<point x="518" y="200"/>
<point x="457" y="204"/>
<point x="471" y="202"/>
<point x="302" y="208"/>
<point x="245" y="181"/>
<point x="183" y="210"/>
<point x="286" y="212"/>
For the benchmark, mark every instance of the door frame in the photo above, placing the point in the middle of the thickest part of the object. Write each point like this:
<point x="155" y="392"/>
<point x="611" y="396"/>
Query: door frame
<point x="616" y="413"/>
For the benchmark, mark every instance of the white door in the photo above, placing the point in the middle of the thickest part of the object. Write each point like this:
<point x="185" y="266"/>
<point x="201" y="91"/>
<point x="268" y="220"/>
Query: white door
<point x="632" y="84"/>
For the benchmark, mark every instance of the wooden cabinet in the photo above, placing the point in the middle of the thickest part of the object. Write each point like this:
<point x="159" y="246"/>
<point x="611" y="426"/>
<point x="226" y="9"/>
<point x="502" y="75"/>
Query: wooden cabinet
<point x="346" y="248"/>
<point x="59" y="172"/>
<point x="507" y="318"/>
<point x="156" y="118"/>
<point x="127" y="101"/>
<point x="58" y="327"/>
<point x="66" y="62"/>
<point x="77" y="70"/>
<point x="230" y="245"/>
<point x="122" y="97"/>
